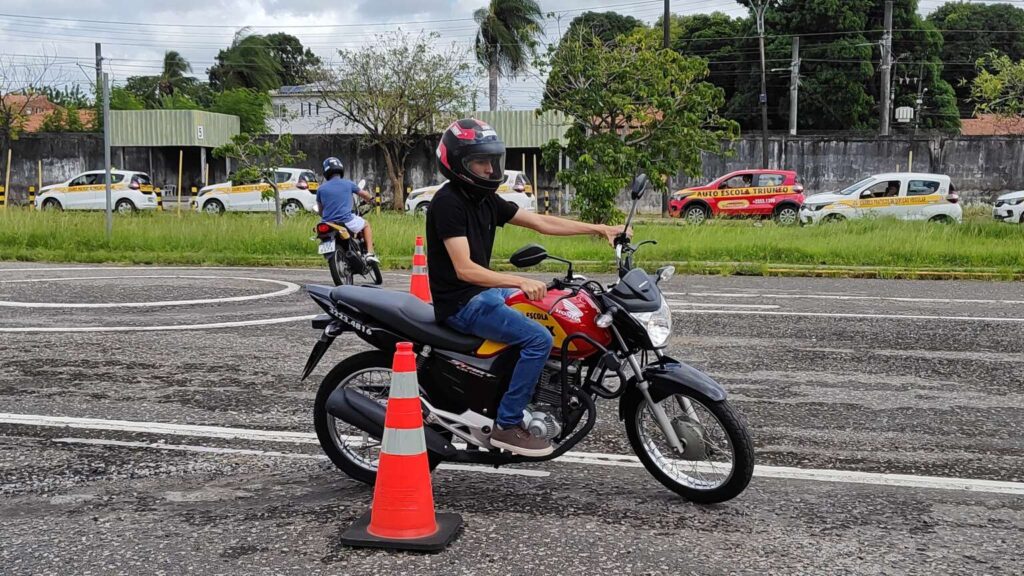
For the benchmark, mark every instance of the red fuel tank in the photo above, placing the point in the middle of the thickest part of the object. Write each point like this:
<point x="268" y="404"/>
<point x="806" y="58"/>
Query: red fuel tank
<point x="564" y="315"/>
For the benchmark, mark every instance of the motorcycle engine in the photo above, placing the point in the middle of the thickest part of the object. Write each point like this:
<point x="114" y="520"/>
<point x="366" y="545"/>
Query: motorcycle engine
<point x="541" y="416"/>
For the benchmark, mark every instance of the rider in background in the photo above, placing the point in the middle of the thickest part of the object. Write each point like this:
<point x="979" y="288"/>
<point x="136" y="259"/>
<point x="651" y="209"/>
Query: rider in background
<point x="334" y="198"/>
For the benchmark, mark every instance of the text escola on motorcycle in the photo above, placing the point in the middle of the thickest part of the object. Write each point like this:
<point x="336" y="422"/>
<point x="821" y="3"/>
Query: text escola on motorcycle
<point x="345" y="253"/>
<point x="609" y="343"/>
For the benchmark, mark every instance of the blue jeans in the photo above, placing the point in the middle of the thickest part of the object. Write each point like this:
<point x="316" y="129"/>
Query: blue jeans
<point x="487" y="316"/>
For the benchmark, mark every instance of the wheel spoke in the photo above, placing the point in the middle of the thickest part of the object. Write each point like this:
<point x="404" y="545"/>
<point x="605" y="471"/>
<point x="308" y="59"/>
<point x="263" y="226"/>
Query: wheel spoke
<point x="703" y="467"/>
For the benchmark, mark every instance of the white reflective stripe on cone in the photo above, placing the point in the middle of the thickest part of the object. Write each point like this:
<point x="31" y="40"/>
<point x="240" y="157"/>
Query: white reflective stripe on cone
<point x="404" y="385"/>
<point x="403" y="442"/>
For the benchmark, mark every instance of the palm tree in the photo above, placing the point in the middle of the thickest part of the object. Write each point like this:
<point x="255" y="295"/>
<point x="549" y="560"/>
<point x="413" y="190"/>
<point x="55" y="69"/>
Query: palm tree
<point x="175" y="67"/>
<point x="506" y="39"/>
<point x="247" y="63"/>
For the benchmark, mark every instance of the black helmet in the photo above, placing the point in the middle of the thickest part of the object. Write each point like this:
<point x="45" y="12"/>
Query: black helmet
<point x="333" y="166"/>
<point x="467" y="141"/>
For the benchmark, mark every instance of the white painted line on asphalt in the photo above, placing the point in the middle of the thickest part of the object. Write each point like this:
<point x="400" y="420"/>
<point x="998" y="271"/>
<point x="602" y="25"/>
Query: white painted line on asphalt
<point x="159" y="428"/>
<point x="289" y="288"/>
<point x="837" y="315"/>
<point x="212" y="326"/>
<point x="268" y="453"/>
<point x="844" y="297"/>
<point x="730" y="306"/>
<point x="590" y="458"/>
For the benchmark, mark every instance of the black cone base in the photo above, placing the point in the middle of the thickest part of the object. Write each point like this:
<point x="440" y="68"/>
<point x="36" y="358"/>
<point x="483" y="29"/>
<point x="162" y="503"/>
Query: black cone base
<point x="448" y="526"/>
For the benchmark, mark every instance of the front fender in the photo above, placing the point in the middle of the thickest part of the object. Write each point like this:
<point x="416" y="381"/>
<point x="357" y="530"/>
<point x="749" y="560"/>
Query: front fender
<point x="669" y="377"/>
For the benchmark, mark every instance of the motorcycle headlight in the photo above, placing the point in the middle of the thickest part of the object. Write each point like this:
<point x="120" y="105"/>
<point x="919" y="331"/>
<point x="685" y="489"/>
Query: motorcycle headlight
<point x="658" y="323"/>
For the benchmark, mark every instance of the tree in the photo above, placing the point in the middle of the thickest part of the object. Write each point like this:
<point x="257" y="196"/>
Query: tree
<point x="173" y="74"/>
<point x="258" y="159"/>
<point x="298" y="64"/>
<point x="144" y="89"/>
<point x="720" y="39"/>
<point x="63" y="120"/>
<point x="177" y="101"/>
<point x="251" y="107"/>
<point x="839" y="82"/>
<point x="400" y="90"/>
<point x="122" y="99"/>
<point x="633" y="107"/>
<point x="20" y="84"/>
<point x="605" y="25"/>
<point x="69" y="96"/>
<point x="970" y="32"/>
<point x="248" y="63"/>
<point x="998" y="87"/>
<point x="506" y="39"/>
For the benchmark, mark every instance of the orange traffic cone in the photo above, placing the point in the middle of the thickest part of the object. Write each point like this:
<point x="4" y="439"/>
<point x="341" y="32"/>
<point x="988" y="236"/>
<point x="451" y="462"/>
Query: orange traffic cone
<point x="402" y="516"/>
<point x="419" y="286"/>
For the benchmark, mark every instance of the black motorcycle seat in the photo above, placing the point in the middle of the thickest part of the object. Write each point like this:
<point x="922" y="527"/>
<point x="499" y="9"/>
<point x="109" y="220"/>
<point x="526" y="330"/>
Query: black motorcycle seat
<point x="405" y="314"/>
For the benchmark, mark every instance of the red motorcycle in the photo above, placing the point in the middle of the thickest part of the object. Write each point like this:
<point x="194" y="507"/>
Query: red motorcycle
<point x="608" y="343"/>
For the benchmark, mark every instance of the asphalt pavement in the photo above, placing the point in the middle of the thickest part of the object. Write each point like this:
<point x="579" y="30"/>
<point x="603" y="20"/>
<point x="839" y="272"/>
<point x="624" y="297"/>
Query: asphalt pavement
<point x="152" y="421"/>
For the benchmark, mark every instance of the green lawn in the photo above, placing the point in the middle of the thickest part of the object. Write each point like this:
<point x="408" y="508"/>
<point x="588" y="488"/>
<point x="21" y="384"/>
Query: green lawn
<point x="253" y="239"/>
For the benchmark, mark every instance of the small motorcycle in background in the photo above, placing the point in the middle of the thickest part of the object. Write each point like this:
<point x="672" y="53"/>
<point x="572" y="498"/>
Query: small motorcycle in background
<point x="345" y="252"/>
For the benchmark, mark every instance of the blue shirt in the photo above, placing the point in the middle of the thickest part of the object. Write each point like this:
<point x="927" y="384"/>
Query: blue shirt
<point x="335" y="198"/>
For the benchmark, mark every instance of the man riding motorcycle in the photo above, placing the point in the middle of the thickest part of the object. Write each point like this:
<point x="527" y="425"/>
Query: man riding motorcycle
<point x="470" y="297"/>
<point x="334" y="198"/>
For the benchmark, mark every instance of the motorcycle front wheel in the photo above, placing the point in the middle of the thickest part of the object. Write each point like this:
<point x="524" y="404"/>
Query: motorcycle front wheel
<point x="717" y="461"/>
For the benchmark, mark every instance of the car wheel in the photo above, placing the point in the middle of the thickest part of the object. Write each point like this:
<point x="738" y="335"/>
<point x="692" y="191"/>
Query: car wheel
<point x="124" y="206"/>
<point x="941" y="219"/>
<point x="786" y="215"/>
<point x="213" y="207"/>
<point x="52" y="204"/>
<point x="421" y="209"/>
<point x="833" y="218"/>
<point x="696" y="214"/>
<point x="291" y="208"/>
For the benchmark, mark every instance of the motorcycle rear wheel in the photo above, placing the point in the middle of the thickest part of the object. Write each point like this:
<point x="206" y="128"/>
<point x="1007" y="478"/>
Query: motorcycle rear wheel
<point x="352" y="451"/>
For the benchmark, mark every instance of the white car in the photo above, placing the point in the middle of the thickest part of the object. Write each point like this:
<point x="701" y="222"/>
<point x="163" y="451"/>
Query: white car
<point x="902" y="195"/>
<point x="1010" y="208"/>
<point x="296" y="186"/>
<point x="516" y="188"/>
<point x="129" y="191"/>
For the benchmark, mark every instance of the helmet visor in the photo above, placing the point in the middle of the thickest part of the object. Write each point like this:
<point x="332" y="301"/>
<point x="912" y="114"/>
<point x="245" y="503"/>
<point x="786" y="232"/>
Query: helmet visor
<point x="486" y="167"/>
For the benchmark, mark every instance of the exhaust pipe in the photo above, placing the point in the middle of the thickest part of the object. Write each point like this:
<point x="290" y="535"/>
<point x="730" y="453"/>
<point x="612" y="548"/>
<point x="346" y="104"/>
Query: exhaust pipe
<point x="367" y="415"/>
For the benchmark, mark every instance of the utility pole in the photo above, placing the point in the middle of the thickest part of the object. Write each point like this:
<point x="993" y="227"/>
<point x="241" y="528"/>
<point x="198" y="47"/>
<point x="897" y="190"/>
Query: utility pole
<point x="886" y="68"/>
<point x="665" y="27"/>
<point x="99" y="70"/>
<point x="665" y="45"/>
<point x="920" y="97"/>
<point x="106" y="150"/>
<point x="759" y="9"/>
<point x="794" y="85"/>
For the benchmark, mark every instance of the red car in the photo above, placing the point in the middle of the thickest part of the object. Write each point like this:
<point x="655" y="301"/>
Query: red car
<point x="750" y="193"/>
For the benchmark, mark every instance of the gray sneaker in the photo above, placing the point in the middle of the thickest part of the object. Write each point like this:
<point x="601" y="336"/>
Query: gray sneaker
<point x="519" y="441"/>
<point x="371" y="257"/>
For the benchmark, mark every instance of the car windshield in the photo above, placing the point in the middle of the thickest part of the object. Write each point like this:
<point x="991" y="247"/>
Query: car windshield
<point x="851" y="189"/>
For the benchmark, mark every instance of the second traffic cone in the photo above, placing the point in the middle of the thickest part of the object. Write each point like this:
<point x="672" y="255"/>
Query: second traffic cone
<point x="402" y="516"/>
<point x="419" y="285"/>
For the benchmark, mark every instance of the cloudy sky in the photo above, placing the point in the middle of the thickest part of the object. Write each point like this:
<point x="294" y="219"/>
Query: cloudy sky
<point x="136" y="33"/>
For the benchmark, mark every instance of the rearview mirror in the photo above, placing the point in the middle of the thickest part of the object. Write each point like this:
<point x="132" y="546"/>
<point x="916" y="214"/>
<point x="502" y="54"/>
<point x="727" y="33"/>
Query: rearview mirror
<point x="362" y="184"/>
<point x="529" y="255"/>
<point x="639" y="187"/>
